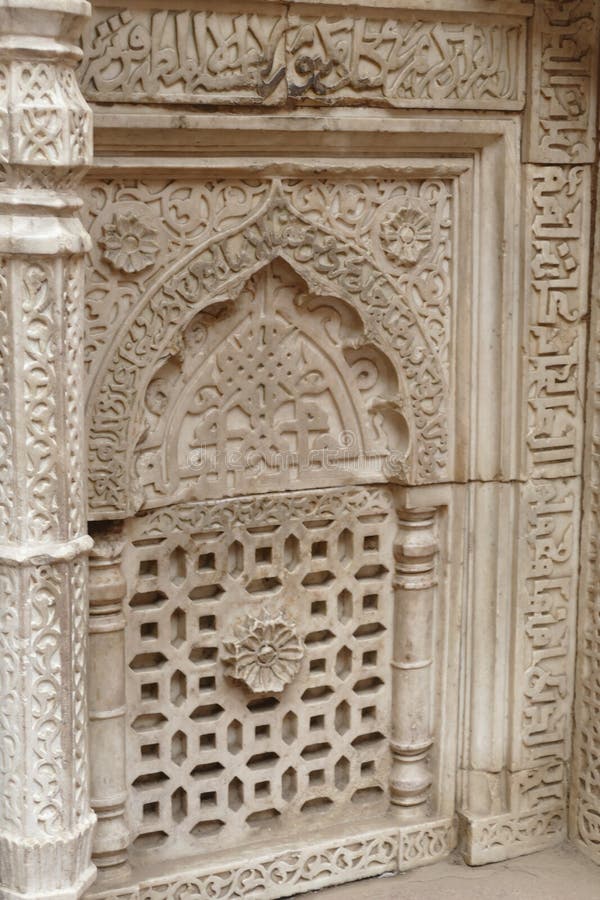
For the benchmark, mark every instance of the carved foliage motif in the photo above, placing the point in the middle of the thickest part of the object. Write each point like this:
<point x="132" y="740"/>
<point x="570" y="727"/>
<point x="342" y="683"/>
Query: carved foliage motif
<point x="422" y="844"/>
<point x="506" y="836"/>
<point x="11" y="737"/>
<point x="49" y="347"/>
<point x="45" y="137"/>
<point x="265" y="510"/>
<point x="6" y="419"/>
<point x="558" y="211"/>
<point x="73" y="323"/>
<point x="189" y="213"/>
<point x="40" y="319"/>
<point x="334" y="245"/>
<point x="193" y="212"/>
<point x="33" y="661"/>
<point x="185" y="56"/>
<point x="44" y="586"/>
<point x="50" y="300"/>
<point x="272" y="878"/>
<point x="78" y="571"/>
<point x="405" y="233"/>
<point x="284" y="873"/>
<point x="563" y="94"/>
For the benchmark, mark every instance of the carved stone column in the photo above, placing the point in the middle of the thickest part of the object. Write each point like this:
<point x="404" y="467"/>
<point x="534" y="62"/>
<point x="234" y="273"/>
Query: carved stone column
<point x="45" y="139"/>
<point x="107" y="703"/>
<point x="414" y="583"/>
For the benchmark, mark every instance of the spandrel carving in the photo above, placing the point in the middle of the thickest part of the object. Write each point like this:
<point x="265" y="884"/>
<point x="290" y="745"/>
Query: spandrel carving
<point x="396" y="311"/>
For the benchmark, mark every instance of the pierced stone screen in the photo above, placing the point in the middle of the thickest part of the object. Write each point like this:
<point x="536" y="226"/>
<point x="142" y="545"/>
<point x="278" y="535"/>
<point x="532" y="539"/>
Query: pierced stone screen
<point x="259" y="647"/>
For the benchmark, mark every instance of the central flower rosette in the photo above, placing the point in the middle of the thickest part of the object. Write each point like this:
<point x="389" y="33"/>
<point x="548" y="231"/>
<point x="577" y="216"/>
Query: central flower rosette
<point x="129" y="243"/>
<point x="405" y="234"/>
<point x="265" y="653"/>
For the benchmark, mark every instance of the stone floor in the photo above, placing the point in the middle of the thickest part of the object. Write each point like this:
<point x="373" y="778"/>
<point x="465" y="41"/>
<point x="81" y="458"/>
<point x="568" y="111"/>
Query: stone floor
<point x="561" y="874"/>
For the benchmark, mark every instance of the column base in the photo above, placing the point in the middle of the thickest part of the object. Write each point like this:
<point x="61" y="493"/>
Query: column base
<point x="75" y="892"/>
<point x="52" y="869"/>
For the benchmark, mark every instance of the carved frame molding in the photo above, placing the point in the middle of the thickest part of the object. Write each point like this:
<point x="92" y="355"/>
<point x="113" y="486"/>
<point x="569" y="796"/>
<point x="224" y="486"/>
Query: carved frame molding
<point x="482" y="153"/>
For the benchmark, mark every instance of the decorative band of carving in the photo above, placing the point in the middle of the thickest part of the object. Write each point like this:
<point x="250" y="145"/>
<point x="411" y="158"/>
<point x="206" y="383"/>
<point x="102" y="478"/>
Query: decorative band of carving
<point x="503" y="837"/>
<point x="266" y="509"/>
<point x="315" y="866"/>
<point x="562" y="95"/>
<point x="558" y="203"/>
<point x="47" y="122"/>
<point x="168" y="56"/>
<point x="276" y="230"/>
<point x="427" y="843"/>
<point x="586" y="755"/>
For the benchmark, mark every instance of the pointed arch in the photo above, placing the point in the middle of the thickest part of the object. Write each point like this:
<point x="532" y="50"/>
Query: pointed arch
<point x="330" y="265"/>
<point x="276" y="393"/>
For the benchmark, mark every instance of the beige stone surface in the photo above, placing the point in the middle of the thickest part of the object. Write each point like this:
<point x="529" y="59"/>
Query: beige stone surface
<point x="559" y="874"/>
<point x="332" y="347"/>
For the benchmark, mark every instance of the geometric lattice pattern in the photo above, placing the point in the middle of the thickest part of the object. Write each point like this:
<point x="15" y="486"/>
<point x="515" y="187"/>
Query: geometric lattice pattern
<point x="211" y="763"/>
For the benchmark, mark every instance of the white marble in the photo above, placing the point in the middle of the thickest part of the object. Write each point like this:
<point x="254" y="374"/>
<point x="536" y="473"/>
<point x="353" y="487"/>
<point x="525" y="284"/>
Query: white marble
<point x="330" y="335"/>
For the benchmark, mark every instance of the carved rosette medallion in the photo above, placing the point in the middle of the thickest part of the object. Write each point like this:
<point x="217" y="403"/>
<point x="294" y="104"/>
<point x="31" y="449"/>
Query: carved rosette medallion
<point x="405" y="234"/>
<point x="265" y="652"/>
<point x="129" y="243"/>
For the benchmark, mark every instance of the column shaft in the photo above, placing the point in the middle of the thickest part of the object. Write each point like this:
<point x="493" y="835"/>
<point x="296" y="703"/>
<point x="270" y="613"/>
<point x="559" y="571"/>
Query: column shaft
<point x="45" y="140"/>
<point x="415" y="552"/>
<point x="107" y="704"/>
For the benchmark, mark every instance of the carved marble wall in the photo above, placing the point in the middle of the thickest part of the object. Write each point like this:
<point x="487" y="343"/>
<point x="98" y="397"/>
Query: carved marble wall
<point x="338" y="442"/>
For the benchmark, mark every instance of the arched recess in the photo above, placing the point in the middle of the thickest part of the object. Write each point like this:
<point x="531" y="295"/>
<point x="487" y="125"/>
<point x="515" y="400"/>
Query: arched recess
<point x="330" y="266"/>
<point x="275" y="391"/>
